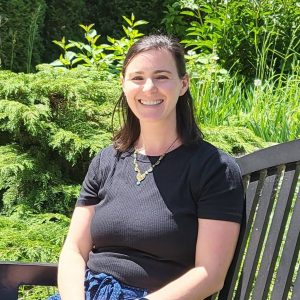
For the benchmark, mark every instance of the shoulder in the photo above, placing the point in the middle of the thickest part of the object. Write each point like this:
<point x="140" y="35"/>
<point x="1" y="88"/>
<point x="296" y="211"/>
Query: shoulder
<point x="103" y="159"/>
<point x="107" y="158"/>
<point x="209" y="162"/>
<point x="216" y="184"/>
<point x="105" y="154"/>
<point x="207" y="154"/>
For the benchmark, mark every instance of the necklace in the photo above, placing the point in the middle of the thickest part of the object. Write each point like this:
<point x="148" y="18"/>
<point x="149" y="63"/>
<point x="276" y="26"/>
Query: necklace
<point x="141" y="176"/>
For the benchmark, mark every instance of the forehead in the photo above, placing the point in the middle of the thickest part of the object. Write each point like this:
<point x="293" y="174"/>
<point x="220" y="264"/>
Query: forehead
<point x="152" y="60"/>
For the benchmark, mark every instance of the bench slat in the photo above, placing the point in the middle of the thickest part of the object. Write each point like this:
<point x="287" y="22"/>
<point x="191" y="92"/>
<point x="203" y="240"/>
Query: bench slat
<point x="257" y="235"/>
<point x="275" y="235"/>
<point x="253" y="190"/>
<point x="289" y="256"/>
<point x="269" y="157"/>
<point x="296" y="287"/>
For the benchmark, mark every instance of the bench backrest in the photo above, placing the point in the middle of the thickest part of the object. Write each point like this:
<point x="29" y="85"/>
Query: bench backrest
<point x="266" y="264"/>
<point x="14" y="274"/>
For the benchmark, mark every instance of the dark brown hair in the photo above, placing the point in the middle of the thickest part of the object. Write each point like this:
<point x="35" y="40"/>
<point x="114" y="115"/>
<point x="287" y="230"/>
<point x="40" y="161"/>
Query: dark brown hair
<point x="187" y="128"/>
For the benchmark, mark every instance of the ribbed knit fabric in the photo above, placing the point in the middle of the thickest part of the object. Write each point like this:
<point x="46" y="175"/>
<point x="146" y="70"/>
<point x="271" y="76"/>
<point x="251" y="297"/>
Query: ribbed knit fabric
<point x="145" y="235"/>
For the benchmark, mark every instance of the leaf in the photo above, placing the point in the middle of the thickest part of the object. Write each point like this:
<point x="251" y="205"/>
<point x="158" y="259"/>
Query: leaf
<point x="78" y="45"/>
<point x="140" y="22"/>
<point x="96" y="39"/>
<point x="87" y="48"/>
<point x="59" y="43"/>
<point x="127" y="20"/>
<point x="56" y="63"/>
<point x="188" y="13"/>
<point x="70" y="55"/>
<point x="76" y="60"/>
<point x="90" y="26"/>
<point x="126" y="30"/>
<point x="92" y="33"/>
<point x="83" y="27"/>
<point x="132" y="17"/>
<point x="110" y="39"/>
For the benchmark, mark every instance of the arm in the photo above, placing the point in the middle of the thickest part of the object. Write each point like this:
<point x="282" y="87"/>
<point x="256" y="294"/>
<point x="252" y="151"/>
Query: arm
<point x="215" y="248"/>
<point x="74" y="254"/>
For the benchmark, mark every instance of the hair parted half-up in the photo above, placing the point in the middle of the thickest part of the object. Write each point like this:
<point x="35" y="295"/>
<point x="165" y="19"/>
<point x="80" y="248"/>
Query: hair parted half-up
<point x="187" y="128"/>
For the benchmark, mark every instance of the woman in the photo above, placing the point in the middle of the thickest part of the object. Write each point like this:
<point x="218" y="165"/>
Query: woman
<point x="159" y="213"/>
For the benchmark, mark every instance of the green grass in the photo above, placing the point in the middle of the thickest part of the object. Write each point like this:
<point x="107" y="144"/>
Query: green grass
<point x="269" y="105"/>
<point x="270" y="110"/>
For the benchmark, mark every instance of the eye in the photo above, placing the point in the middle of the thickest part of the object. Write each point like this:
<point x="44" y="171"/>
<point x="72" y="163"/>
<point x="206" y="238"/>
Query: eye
<point x="161" y="77"/>
<point x="137" y="78"/>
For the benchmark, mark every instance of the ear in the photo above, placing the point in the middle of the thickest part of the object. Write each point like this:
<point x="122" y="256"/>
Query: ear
<point x="185" y="84"/>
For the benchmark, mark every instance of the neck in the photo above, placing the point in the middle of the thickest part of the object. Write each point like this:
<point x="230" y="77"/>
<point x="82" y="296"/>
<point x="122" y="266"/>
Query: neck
<point x="155" y="140"/>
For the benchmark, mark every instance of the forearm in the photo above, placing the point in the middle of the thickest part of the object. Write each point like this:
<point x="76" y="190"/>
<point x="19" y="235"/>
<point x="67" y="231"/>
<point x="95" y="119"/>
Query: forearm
<point x="196" y="284"/>
<point x="71" y="272"/>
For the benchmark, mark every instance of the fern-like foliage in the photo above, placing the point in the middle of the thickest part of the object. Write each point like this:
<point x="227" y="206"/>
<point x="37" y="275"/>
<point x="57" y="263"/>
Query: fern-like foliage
<point x="51" y="124"/>
<point x="235" y="141"/>
<point x="29" y="181"/>
<point x="16" y="116"/>
<point x="32" y="237"/>
<point x="54" y="105"/>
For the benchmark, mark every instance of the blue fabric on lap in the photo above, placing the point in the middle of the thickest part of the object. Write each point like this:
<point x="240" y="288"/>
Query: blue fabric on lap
<point x="106" y="287"/>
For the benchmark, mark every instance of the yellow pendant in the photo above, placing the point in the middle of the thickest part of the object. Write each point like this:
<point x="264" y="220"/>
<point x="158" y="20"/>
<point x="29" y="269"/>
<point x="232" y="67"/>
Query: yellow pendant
<point x="140" y="177"/>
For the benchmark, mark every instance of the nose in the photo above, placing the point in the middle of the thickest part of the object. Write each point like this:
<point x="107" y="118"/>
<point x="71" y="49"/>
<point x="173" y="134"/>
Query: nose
<point x="149" y="85"/>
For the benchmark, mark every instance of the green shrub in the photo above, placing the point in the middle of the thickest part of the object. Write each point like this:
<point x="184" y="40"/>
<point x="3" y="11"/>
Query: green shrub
<point x="103" y="57"/>
<point x="53" y="122"/>
<point x="236" y="141"/>
<point x="20" y="171"/>
<point x="174" y="21"/>
<point x="26" y="237"/>
<point x="32" y="238"/>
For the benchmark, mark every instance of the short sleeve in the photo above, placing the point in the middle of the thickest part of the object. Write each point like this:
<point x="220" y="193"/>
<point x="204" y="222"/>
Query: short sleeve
<point x="221" y="195"/>
<point x="90" y="186"/>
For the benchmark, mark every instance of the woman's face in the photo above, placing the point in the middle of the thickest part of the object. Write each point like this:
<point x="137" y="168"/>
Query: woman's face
<point x="152" y="86"/>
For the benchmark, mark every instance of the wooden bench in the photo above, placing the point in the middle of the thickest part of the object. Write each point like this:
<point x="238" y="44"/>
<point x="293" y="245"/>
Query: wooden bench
<point x="267" y="257"/>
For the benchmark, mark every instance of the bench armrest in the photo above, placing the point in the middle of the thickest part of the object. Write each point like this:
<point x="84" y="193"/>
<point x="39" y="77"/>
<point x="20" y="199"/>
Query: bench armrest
<point x="14" y="274"/>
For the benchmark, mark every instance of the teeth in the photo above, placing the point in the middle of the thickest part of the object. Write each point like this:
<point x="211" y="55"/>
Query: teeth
<point x="154" y="102"/>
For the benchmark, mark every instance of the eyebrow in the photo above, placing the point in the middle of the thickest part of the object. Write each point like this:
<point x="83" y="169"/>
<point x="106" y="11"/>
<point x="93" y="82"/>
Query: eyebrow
<point x="155" y="72"/>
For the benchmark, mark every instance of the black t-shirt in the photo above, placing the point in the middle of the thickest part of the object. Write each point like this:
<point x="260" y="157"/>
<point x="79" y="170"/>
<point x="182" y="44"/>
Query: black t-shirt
<point x="145" y="235"/>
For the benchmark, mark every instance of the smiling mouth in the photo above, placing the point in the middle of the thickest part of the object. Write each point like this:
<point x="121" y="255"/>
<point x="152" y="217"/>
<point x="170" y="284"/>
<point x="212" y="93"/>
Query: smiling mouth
<point x="151" y="103"/>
